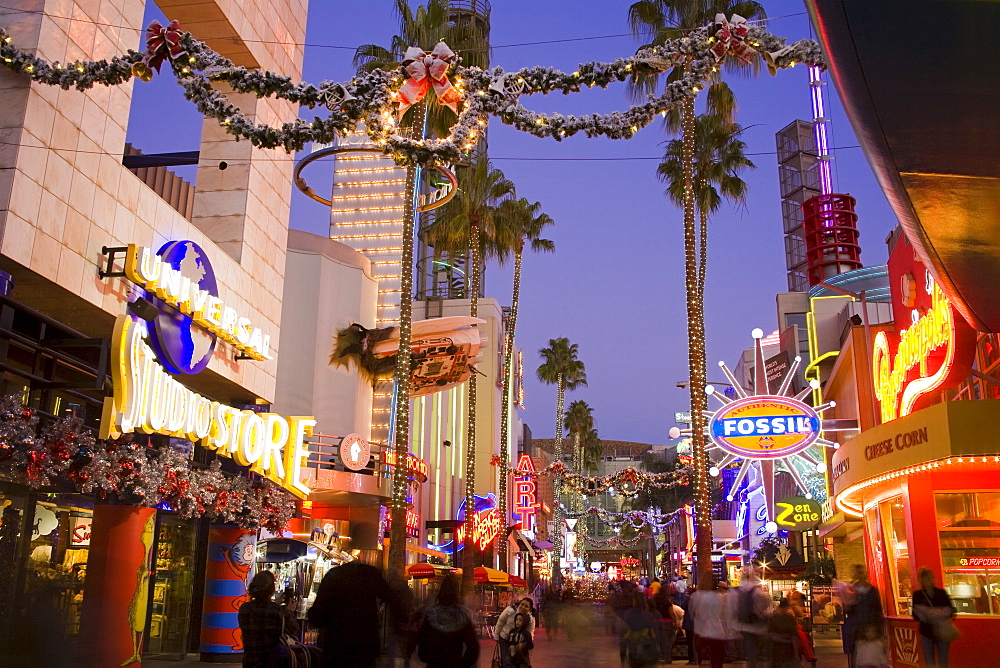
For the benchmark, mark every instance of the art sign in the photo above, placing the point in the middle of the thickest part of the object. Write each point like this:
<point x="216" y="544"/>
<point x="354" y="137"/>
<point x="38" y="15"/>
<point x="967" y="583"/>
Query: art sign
<point x="525" y="493"/>
<point x="932" y="346"/>
<point x="797" y="513"/>
<point x="765" y="427"/>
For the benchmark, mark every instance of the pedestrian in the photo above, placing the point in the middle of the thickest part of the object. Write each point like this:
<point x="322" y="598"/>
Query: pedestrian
<point x="671" y="617"/>
<point x="707" y="609"/>
<point x="869" y="648"/>
<point x="784" y="633"/>
<point x="346" y="613"/>
<point x="932" y="607"/>
<point x="862" y="605"/>
<point x="446" y="636"/>
<point x="749" y="606"/>
<point x="802" y="614"/>
<point x="654" y="588"/>
<point x="505" y="624"/>
<point x="638" y="647"/>
<point x="262" y="622"/>
<point x="520" y="643"/>
<point x="688" y="626"/>
<point x="551" y="605"/>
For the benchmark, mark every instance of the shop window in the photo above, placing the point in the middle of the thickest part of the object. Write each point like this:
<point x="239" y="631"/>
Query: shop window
<point x="969" y="532"/>
<point x="170" y="609"/>
<point x="897" y="552"/>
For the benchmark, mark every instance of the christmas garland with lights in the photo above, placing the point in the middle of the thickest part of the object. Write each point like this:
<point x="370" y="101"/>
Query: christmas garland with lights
<point x="636" y="519"/>
<point x="378" y="98"/>
<point x="594" y="485"/>
<point x="66" y="452"/>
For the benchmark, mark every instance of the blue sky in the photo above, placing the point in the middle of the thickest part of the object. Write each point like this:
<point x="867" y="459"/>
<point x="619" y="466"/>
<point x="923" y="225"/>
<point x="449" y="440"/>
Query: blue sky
<point x="615" y="284"/>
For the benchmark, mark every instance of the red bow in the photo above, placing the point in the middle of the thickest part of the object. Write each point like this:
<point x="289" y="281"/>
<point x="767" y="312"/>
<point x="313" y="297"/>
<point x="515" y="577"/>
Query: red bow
<point x="731" y="38"/>
<point x="426" y="69"/>
<point x="162" y="43"/>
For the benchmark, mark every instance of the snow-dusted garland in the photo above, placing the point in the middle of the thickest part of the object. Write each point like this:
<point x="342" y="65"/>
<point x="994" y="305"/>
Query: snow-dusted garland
<point x="66" y="456"/>
<point x="635" y="479"/>
<point x="637" y="519"/>
<point x="374" y="98"/>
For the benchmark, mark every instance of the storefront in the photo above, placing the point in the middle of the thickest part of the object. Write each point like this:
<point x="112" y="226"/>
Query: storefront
<point x="926" y="488"/>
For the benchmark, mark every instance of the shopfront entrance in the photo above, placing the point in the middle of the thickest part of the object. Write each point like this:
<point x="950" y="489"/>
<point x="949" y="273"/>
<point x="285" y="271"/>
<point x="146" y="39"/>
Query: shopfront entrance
<point x="172" y="586"/>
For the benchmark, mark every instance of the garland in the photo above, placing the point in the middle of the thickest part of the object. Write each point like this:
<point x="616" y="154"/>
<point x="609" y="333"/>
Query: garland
<point x="374" y="98"/>
<point x="636" y="519"/>
<point x="628" y="481"/>
<point x="67" y="452"/>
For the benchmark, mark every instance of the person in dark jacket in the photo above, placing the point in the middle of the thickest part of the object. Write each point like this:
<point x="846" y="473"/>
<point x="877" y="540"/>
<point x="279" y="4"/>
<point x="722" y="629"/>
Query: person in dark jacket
<point x="864" y="607"/>
<point x="446" y="636"/>
<point x="520" y="643"/>
<point x="346" y="613"/>
<point x="262" y="621"/>
<point x="932" y="607"/>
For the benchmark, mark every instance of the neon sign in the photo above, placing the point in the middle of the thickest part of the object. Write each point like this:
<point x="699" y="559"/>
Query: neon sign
<point x="486" y="524"/>
<point x="414" y="465"/>
<point x="147" y="399"/>
<point x="412" y="524"/>
<point x="525" y="489"/>
<point x="932" y="347"/>
<point x="765" y="427"/>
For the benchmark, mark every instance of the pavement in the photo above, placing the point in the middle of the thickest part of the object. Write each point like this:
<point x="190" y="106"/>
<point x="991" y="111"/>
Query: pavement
<point x="595" y="650"/>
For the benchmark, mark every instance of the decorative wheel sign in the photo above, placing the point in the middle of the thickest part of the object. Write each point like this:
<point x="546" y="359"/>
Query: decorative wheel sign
<point x="766" y="428"/>
<point x="355" y="452"/>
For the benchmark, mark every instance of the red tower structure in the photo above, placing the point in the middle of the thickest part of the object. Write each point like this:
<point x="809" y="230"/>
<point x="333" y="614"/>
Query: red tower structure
<point x="831" y="235"/>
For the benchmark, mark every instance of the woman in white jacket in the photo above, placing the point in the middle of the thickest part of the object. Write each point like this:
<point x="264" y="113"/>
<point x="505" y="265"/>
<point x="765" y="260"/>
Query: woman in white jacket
<point x="505" y="624"/>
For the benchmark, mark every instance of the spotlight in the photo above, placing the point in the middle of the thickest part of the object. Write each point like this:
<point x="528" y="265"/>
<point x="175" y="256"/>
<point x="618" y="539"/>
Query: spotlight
<point x="144" y="309"/>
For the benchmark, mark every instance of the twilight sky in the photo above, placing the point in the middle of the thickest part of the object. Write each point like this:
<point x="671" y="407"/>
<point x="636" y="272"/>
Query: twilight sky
<point x="615" y="283"/>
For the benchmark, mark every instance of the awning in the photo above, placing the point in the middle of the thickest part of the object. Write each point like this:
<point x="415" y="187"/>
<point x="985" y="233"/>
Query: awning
<point x="543" y="545"/>
<point x="520" y="542"/>
<point x="518" y="582"/>
<point x="421" y="570"/>
<point x="484" y="574"/>
<point x="426" y="551"/>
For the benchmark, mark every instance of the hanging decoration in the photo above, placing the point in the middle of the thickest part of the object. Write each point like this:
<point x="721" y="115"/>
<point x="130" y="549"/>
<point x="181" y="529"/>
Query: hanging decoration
<point x="627" y="482"/>
<point x="67" y="455"/>
<point x="636" y="519"/>
<point x="377" y="97"/>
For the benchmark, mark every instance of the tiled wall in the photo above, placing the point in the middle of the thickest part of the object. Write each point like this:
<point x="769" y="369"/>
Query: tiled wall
<point x="64" y="192"/>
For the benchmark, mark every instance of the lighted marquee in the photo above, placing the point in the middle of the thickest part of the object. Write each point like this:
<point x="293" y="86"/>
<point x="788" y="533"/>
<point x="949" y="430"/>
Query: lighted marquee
<point x="764" y="428"/>
<point x="525" y="492"/>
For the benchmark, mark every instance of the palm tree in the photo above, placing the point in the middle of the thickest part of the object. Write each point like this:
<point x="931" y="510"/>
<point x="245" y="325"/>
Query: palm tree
<point x="593" y="450"/>
<point x="658" y="21"/>
<point x="469" y="223"/>
<point x="560" y="367"/>
<point x="520" y="221"/>
<point x="579" y="422"/>
<point x="720" y="155"/>
<point x="423" y="28"/>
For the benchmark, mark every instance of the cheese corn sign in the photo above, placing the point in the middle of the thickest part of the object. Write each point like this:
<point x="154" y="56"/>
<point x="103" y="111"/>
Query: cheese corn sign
<point x="148" y="399"/>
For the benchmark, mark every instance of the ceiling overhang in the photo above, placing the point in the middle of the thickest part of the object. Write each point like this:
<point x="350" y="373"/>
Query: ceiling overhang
<point x="920" y="82"/>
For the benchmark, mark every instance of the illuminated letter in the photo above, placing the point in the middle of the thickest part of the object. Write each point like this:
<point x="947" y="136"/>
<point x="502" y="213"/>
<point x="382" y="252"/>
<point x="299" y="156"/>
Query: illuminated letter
<point x="275" y="439"/>
<point x="251" y="439"/>
<point x="296" y="453"/>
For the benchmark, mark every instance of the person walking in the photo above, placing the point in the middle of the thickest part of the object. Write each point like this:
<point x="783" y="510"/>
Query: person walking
<point x="638" y="647"/>
<point x="671" y="617"/>
<point x="551" y="605"/>
<point x="520" y="643"/>
<point x="505" y="624"/>
<point x="862" y="606"/>
<point x="346" y="613"/>
<point x="783" y="630"/>
<point x="749" y="606"/>
<point x="707" y="609"/>
<point x="933" y="608"/>
<point x="446" y="636"/>
<point x="262" y="621"/>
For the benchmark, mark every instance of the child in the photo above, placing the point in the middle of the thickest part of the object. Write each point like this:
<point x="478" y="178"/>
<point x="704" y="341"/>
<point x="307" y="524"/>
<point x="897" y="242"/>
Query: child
<point x="869" y="649"/>
<point x="520" y="642"/>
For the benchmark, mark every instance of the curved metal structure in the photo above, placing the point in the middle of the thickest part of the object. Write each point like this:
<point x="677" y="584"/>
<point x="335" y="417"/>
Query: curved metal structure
<point x="919" y="83"/>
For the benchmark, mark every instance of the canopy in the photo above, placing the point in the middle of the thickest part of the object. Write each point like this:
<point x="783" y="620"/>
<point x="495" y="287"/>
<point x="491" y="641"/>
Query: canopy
<point x="484" y="574"/>
<point x="421" y="570"/>
<point x="518" y="582"/>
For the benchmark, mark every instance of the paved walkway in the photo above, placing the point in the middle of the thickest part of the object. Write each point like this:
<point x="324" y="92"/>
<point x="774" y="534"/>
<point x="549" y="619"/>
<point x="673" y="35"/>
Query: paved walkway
<point x="594" y="651"/>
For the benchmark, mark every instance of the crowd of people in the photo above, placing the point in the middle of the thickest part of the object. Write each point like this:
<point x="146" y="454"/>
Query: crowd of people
<point x="651" y="619"/>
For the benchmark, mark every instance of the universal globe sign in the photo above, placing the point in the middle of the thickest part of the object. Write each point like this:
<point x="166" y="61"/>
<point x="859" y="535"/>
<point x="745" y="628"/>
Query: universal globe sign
<point x="765" y="427"/>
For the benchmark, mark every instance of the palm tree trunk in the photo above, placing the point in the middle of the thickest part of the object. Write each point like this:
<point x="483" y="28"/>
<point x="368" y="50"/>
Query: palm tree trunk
<point x="508" y="363"/>
<point x="557" y="541"/>
<point x="401" y="409"/>
<point x="702" y="254"/>
<point x="696" y="356"/>
<point x="468" y="561"/>
<point x="578" y="467"/>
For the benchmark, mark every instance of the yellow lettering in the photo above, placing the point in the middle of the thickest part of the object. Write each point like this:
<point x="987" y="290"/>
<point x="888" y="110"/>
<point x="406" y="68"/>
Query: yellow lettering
<point x="296" y="454"/>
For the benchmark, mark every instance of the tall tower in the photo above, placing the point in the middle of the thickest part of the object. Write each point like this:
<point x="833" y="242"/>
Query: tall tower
<point x="799" y="180"/>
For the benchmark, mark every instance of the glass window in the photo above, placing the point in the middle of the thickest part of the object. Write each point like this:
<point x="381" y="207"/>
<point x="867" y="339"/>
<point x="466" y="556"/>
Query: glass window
<point x="969" y="532"/>
<point x="897" y="552"/>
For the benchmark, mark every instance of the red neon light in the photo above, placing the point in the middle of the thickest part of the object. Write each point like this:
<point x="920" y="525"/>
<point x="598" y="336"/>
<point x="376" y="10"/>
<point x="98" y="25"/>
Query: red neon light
<point x="413" y="463"/>
<point x="412" y="523"/>
<point x="485" y="527"/>
<point x="525" y="490"/>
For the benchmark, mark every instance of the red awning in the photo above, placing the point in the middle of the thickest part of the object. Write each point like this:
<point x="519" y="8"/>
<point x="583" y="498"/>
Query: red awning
<point x="421" y="570"/>
<point x="518" y="581"/>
